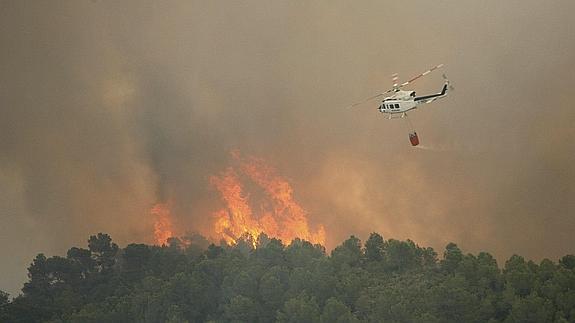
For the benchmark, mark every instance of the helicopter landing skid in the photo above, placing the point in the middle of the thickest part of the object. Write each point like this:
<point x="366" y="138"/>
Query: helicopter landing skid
<point x="391" y="116"/>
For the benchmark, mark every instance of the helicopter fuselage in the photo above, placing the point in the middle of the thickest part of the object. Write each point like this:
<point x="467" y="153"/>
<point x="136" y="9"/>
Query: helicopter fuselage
<point x="403" y="101"/>
<point x="399" y="102"/>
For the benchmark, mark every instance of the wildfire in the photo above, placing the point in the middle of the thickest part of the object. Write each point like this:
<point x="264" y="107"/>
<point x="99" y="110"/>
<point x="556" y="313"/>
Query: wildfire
<point x="275" y="212"/>
<point x="279" y="214"/>
<point x="163" y="223"/>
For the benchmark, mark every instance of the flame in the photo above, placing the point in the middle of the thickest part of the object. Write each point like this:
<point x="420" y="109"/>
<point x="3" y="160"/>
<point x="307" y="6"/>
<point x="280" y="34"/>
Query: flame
<point x="280" y="215"/>
<point x="163" y="223"/>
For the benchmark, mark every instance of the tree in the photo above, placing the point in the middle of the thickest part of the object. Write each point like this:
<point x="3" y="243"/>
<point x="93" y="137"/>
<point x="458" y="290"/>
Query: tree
<point x="301" y="253"/>
<point x="271" y="294"/>
<point x="451" y="258"/>
<point x="270" y="252"/>
<point x="348" y="253"/>
<point x="391" y="281"/>
<point x="4" y="298"/>
<point x="175" y="315"/>
<point x="374" y="247"/>
<point x="531" y="309"/>
<point x="38" y="286"/>
<point x="454" y="302"/>
<point x="350" y="283"/>
<point x="102" y="245"/>
<point x="519" y="275"/>
<point x="546" y="270"/>
<point x="428" y="257"/>
<point x="24" y="310"/>
<point x="136" y="254"/>
<point x="335" y="311"/>
<point x="568" y="262"/>
<point x="214" y="251"/>
<point x="103" y="251"/>
<point x="82" y="258"/>
<point x="241" y="309"/>
<point x="196" y="244"/>
<point x="401" y="255"/>
<point x="301" y="309"/>
<point x="300" y="279"/>
<point x="136" y="257"/>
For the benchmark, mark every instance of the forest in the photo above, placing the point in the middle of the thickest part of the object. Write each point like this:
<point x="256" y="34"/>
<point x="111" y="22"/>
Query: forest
<point x="191" y="280"/>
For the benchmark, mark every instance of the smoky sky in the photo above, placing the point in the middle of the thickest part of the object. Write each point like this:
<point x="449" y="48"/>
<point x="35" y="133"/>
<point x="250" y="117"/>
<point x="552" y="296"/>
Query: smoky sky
<point x="108" y="107"/>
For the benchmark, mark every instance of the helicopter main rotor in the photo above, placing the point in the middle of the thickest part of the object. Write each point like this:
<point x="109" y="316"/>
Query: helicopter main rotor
<point x="397" y="87"/>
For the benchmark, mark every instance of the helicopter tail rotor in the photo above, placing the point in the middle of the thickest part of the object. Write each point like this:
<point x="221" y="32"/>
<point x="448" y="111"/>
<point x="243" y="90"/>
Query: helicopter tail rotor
<point x="451" y="88"/>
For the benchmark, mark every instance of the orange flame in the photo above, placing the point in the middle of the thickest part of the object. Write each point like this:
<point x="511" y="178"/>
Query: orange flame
<point x="163" y="223"/>
<point x="280" y="216"/>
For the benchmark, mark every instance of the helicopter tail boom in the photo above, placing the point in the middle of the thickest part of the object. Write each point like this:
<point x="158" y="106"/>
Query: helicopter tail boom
<point x="432" y="97"/>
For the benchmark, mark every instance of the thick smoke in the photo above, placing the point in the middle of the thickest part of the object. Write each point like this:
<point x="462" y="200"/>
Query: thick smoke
<point x="109" y="107"/>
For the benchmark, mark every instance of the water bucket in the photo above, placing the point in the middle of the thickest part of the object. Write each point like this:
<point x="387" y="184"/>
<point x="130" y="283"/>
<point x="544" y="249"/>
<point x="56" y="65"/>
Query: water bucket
<point x="414" y="139"/>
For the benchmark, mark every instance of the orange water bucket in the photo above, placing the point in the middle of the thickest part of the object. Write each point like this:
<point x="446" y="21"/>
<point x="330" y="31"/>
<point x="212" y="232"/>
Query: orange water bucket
<point x="414" y="139"/>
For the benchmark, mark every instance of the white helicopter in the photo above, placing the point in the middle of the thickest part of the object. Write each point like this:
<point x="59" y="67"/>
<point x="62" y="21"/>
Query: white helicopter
<point x="402" y="101"/>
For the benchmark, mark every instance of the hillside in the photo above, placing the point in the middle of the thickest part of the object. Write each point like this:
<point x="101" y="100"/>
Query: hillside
<point x="267" y="281"/>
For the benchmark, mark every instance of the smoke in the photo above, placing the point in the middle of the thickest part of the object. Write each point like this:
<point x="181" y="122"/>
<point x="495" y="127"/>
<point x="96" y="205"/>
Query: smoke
<point x="107" y="108"/>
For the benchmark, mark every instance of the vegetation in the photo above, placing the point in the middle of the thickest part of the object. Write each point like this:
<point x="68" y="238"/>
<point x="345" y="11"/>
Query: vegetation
<point x="381" y="281"/>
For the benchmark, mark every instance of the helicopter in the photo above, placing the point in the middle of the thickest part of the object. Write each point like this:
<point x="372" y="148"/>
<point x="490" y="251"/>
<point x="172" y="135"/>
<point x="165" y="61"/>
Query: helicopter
<point x="399" y="102"/>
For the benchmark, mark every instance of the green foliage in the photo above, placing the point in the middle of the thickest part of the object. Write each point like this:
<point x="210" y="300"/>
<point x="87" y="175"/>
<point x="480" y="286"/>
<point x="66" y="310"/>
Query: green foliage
<point x="300" y="309"/>
<point x="348" y="254"/>
<point x="568" y="262"/>
<point x="519" y="275"/>
<point x="3" y="298"/>
<point x="241" y="309"/>
<point x="451" y="258"/>
<point x="531" y="309"/>
<point x="190" y="280"/>
<point x="374" y="247"/>
<point x="401" y="255"/>
<point x="335" y="311"/>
